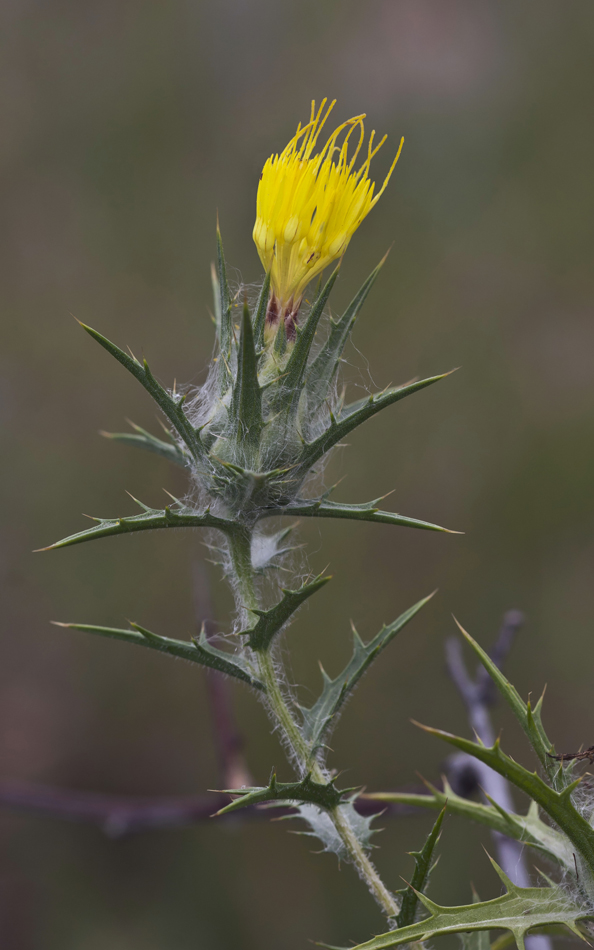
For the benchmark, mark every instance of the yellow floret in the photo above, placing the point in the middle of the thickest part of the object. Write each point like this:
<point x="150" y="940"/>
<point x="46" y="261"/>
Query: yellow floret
<point x="309" y="205"/>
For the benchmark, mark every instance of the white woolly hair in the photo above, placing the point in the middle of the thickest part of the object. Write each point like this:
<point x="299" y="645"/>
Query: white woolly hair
<point x="280" y="565"/>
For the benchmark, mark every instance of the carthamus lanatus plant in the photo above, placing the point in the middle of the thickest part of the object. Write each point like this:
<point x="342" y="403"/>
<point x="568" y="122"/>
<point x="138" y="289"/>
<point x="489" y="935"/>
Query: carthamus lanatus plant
<point x="253" y="441"/>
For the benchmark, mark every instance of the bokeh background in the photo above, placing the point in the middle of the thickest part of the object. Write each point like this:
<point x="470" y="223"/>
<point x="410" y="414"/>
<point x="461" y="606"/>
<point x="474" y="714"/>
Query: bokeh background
<point x="125" y="126"/>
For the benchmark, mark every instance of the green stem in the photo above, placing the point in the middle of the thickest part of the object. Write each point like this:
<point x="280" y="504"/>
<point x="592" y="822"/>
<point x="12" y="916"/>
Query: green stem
<point x="240" y="548"/>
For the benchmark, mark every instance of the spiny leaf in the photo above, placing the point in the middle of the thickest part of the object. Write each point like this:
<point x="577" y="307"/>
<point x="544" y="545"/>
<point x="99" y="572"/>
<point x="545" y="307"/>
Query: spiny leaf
<point x="520" y="910"/>
<point x="260" y="317"/>
<point x="246" y="403"/>
<point x="172" y="408"/>
<point x="423" y="865"/>
<point x="197" y="651"/>
<point x="279" y="349"/>
<point x="529" y="829"/>
<point x="321" y="826"/>
<point x="354" y="415"/>
<point x="270" y="622"/>
<point x="224" y="321"/>
<point x="538" y="739"/>
<point x="297" y="362"/>
<point x="480" y="939"/>
<point x="236" y="666"/>
<point x="323" y="367"/>
<point x="321" y="508"/>
<point x="180" y="517"/>
<point x="558" y="805"/>
<point x="216" y="296"/>
<point x="314" y="793"/>
<point x="321" y="717"/>
<point x="143" y="439"/>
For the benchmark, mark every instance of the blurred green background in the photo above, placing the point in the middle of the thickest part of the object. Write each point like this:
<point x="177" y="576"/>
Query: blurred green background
<point x="125" y="126"/>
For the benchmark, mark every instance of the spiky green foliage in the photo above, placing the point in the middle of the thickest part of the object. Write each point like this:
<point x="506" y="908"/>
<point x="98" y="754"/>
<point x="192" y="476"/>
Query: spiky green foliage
<point x="553" y="796"/>
<point x="253" y="439"/>
<point x="322" y="508"/>
<point x="223" y="318"/>
<point x="287" y="396"/>
<point x="479" y="939"/>
<point x="198" y="650"/>
<point x="177" y="515"/>
<point x="170" y="404"/>
<point x="520" y="910"/>
<point x="571" y="840"/>
<point x="140" y="438"/>
<point x="260" y="314"/>
<point x="269" y="416"/>
<point x="557" y="804"/>
<point x="246" y="404"/>
<point x="324" y="366"/>
<point x="529" y="718"/>
<point x="420" y="878"/>
<point x="270" y="622"/>
<point x="320" y="718"/>
<point x="350" y="418"/>
<point x="180" y="515"/>
<point x="568" y="842"/>
<point x="307" y="791"/>
<point x="530" y="829"/>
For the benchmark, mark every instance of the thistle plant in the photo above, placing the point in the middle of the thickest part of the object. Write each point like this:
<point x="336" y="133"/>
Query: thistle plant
<point x="254" y="440"/>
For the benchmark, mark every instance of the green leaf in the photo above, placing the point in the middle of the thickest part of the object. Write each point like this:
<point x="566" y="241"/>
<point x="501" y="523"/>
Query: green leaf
<point x="305" y="791"/>
<point x="557" y="804"/>
<point x="224" y="320"/>
<point x="172" y="408"/>
<point x="292" y="381"/>
<point x="260" y="317"/>
<point x="418" y="884"/>
<point x="321" y="717"/>
<point x="177" y="517"/>
<point x="270" y="622"/>
<point x="246" y="402"/>
<point x="142" y="439"/>
<point x="529" y="829"/>
<point x="279" y="349"/>
<point x="197" y="651"/>
<point x="325" y="364"/>
<point x="216" y="296"/>
<point x="354" y="415"/>
<point x="321" y="508"/>
<point x="479" y="939"/>
<point x="519" y="911"/>
<point x="532" y="726"/>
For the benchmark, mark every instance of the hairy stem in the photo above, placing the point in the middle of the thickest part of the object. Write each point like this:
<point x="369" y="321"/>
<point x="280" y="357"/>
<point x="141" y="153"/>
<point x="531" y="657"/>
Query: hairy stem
<point x="240" y="548"/>
<point x="280" y="712"/>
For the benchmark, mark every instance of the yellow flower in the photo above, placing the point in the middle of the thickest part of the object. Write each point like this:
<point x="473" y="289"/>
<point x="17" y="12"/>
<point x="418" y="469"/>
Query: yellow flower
<point x="308" y="207"/>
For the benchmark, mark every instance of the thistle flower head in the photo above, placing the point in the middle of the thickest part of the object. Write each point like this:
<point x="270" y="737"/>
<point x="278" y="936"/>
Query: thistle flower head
<point x="309" y="205"/>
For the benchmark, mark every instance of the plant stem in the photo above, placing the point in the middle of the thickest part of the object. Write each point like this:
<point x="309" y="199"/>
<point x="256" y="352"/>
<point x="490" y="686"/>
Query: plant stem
<point x="365" y="868"/>
<point x="240" y="549"/>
